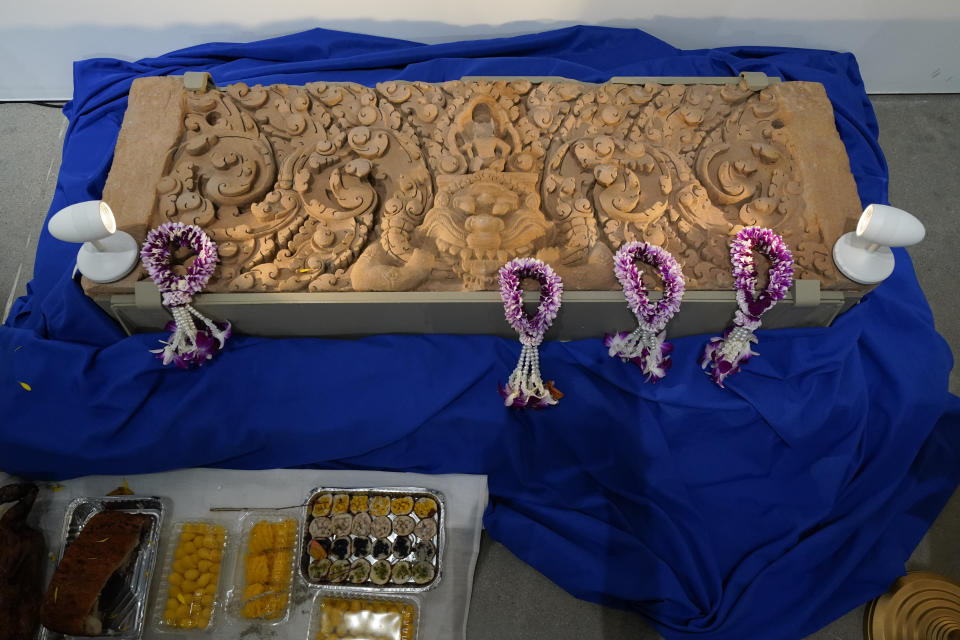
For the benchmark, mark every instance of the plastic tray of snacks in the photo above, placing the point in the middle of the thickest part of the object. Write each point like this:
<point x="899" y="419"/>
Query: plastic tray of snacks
<point x="189" y="596"/>
<point x="339" y="615"/>
<point x="124" y="608"/>
<point x="384" y="539"/>
<point x="266" y="561"/>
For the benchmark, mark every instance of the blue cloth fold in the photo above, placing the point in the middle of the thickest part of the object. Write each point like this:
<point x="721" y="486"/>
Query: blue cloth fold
<point x="760" y="511"/>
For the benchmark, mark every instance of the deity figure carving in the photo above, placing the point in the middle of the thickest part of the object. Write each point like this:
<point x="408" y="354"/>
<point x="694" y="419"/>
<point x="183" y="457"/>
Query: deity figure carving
<point x="484" y="148"/>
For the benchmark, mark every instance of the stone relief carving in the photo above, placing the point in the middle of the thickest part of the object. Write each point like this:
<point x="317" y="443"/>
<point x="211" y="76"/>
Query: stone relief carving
<point x="419" y="186"/>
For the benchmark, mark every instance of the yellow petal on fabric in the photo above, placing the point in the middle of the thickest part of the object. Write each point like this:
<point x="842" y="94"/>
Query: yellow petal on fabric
<point x="26" y="386"/>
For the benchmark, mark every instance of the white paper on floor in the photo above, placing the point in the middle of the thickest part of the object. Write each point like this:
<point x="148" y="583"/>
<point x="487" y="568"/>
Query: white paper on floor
<point x="443" y="610"/>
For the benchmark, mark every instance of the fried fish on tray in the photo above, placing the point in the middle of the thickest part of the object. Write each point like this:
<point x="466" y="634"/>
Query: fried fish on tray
<point x="106" y="545"/>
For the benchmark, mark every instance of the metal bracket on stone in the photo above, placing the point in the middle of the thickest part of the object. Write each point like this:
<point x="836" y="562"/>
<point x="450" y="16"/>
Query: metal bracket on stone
<point x="757" y="80"/>
<point x="198" y="81"/>
<point x="806" y="293"/>
<point x="146" y="295"/>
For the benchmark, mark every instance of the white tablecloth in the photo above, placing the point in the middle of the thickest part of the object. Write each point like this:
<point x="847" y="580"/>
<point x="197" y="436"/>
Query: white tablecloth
<point x="192" y="492"/>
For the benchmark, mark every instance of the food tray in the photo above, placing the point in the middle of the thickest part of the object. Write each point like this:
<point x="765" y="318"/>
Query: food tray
<point x="359" y="615"/>
<point x="124" y="613"/>
<point x="271" y="597"/>
<point x="416" y="548"/>
<point x="186" y="601"/>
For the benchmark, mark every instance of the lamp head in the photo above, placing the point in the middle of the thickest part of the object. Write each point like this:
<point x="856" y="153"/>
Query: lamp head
<point x="864" y="255"/>
<point x="888" y="226"/>
<point x="83" y="222"/>
<point x="106" y="254"/>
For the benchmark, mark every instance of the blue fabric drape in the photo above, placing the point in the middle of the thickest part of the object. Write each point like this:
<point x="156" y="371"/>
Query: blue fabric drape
<point x="761" y="511"/>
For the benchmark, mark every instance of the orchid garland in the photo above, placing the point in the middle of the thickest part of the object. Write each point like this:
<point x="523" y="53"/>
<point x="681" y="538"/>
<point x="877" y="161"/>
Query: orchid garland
<point x="646" y="346"/>
<point x="525" y="388"/>
<point x="188" y="345"/>
<point x="729" y="352"/>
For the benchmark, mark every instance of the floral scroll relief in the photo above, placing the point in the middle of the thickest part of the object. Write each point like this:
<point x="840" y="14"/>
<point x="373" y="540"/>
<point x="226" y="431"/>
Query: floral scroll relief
<point x="421" y="186"/>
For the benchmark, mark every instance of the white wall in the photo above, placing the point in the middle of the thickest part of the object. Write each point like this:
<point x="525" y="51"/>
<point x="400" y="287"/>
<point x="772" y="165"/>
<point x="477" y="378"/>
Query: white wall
<point x="902" y="46"/>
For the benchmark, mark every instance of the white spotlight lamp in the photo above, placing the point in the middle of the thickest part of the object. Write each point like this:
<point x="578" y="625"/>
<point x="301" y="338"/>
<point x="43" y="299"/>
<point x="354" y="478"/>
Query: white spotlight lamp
<point x="864" y="255"/>
<point x="107" y="254"/>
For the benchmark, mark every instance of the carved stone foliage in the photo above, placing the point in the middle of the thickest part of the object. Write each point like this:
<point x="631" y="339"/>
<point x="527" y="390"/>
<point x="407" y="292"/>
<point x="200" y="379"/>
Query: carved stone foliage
<point x="418" y="186"/>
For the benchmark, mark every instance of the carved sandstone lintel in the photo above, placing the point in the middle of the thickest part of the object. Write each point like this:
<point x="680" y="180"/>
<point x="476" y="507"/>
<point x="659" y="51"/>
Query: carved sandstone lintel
<point x="431" y="187"/>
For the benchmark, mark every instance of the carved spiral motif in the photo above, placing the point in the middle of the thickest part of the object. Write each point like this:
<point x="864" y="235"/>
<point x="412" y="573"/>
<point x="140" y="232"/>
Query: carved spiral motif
<point x="415" y="185"/>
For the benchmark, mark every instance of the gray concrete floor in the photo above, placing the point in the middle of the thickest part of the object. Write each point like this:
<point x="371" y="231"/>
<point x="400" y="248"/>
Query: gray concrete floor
<point x="919" y="135"/>
<point x="32" y="139"/>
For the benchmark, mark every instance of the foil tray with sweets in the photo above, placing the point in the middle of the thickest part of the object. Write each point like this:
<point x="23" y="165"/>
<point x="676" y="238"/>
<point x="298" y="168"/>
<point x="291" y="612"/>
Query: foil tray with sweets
<point x="388" y="539"/>
<point x="123" y="601"/>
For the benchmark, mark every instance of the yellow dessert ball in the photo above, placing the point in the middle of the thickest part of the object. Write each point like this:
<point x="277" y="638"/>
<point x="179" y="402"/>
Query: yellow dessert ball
<point x="191" y="574"/>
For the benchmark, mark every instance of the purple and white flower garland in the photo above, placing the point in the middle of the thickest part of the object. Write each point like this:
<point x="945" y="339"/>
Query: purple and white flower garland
<point x="646" y="346"/>
<point x="728" y="353"/>
<point x="525" y="388"/>
<point x="188" y="345"/>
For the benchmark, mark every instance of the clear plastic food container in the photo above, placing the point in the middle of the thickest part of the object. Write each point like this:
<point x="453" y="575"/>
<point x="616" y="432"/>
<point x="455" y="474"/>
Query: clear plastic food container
<point x="190" y="587"/>
<point x="266" y="561"/>
<point x="338" y="616"/>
